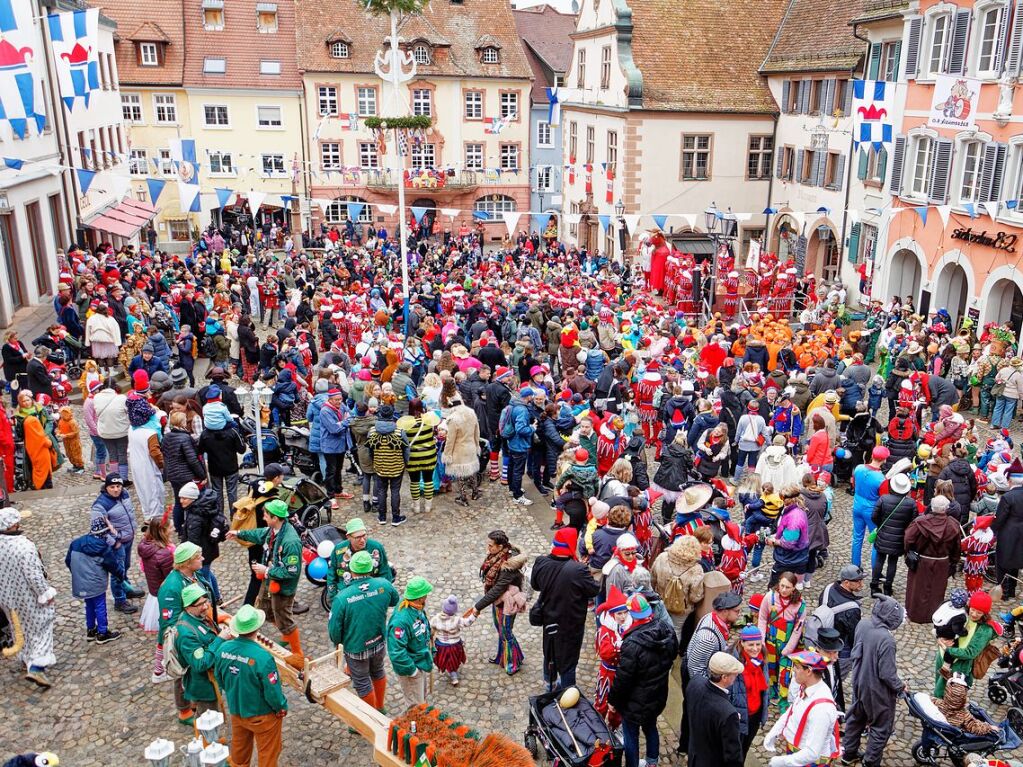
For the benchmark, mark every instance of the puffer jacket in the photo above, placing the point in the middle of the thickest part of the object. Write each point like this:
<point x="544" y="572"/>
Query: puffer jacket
<point x="157" y="562"/>
<point x="312" y="417"/>
<point x="892" y="515"/>
<point x="964" y="481"/>
<point x="604" y="540"/>
<point x="359" y="430"/>
<point x="120" y="515"/>
<point x="161" y="350"/>
<point x="221" y="448"/>
<point x="111" y="414"/>
<point x="640" y="687"/>
<point x="901" y="440"/>
<point x="91" y="560"/>
<point x="738" y="698"/>
<point x="675" y="468"/>
<point x="205" y="525"/>
<point x="701" y="424"/>
<point x="181" y="462"/>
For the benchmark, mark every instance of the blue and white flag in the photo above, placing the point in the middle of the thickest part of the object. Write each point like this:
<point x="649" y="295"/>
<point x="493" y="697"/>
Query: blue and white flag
<point x="554" y="110"/>
<point x="21" y="90"/>
<point x="75" y="38"/>
<point x="187" y="167"/>
<point x="873" y="101"/>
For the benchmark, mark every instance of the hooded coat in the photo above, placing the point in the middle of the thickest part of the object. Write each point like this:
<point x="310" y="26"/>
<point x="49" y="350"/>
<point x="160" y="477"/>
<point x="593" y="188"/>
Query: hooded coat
<point x="875" y="676"/>
<point x="892" y="514"/>
<point x="936" y="536"/>
<point x="462" y="446"/>
<point x="1008" y="526"/>
<point x="964" y="482"/>
<point x="205" y="525"/>
<point x="823" y="380"/>
<point x="640" y="688"/>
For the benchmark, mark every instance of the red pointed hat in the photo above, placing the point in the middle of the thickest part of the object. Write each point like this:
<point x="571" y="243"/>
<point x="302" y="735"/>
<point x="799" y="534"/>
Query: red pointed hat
<point x="1015" y="468"/>
<point x="565" y="541"/>
<point x="983" y="522"/>
<point x="614" y="603"/>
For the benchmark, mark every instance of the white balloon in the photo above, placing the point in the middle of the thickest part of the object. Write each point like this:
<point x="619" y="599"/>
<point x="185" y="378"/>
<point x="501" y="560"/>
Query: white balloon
<point x="325" y="549"/>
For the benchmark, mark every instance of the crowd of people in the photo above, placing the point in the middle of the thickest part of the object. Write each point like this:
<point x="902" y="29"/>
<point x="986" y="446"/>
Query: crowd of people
<point x="673" y="451"/>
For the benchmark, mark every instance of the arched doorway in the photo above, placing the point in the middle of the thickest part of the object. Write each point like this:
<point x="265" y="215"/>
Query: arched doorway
<point x="785" y="236"/>
<point x="429" y="217"/>
<point x="1005" y="304"/>
<point x="822" y="256"/>
<point x="905" y="275"/>
<point x="951" y="292"/>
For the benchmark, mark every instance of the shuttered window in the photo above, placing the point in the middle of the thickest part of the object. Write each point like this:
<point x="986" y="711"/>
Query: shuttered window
<point x="786" y="94"/>
<point x="877" y="164"/>
<point x="854" y="243"/>
<point x="805" y="88"/>
<point x="1014" y="188"/>
<point x="890" y="53"/>
<point x="992" y="169"/>
<point x="913" y="47"/>
<point x="834" y="178"/>
<point x="920" y="170"/>
<point x="960" y="38"/>
<point x="1015" y="52"/>
<point x="970" y="154"/>
<point x="990" y="41"/>
<point x="941" y="167"/>
<point x="938" y="43"/>
<point x="874" y="62"/>
<point x="897" y="161"/>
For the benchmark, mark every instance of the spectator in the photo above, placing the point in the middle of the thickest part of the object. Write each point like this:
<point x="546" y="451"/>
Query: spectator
<point x="113" y="506"/>
<point x="221" y="448"/>
<point x="893" y="513"/>
<point x="206" y="526"/>
<point x="181" y="463"/>
<point x="714" y="732"/>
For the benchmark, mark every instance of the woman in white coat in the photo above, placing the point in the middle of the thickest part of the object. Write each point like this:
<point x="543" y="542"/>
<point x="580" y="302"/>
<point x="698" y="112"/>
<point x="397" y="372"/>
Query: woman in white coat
<point x="144" y="455"/>
<point x="103" y="336"/>
<point x="112" y="425"/>
<point x="462" y="450"/>
<point x="776" y="466"/>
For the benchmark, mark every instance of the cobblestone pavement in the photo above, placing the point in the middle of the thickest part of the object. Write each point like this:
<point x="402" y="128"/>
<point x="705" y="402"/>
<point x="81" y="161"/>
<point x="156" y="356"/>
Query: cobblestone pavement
<point x="103" y="709"/>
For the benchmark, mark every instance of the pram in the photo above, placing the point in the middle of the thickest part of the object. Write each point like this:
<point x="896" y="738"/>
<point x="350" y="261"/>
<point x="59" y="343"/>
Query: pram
<point x="294" y="442"/>
<point x="942" y="740"/>
<point x="1006" y="685"/>
<point x="272" y="452"/>
<point x="546" y="734"/>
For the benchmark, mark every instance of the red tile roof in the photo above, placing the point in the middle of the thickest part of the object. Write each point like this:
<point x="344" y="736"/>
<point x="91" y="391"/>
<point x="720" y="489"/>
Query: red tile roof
<point x="455" y="28"/>
<point x="547" y="32"/>
<point x="815" y="36"/>
<point x="163" y="17"/>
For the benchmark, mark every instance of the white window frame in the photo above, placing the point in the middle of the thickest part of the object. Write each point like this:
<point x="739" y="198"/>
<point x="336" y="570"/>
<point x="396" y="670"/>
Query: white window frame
<point x="214" y="65"/>
<point x="369" y="157"/>
<point x="166" y="163"/>
<point x="131" y="102"/>
<point x="270" y="125"/>
<point x="495" y="204"/>
<point x="873" y="165"/>
<point x="270" y="67"/>
<point x="266" y="29"/>
<point x="695" y="151"/>
<point x="423" y="156"/>
<point x="472" y="105"/>
<point x="363" y="97"/>
<point x="544" y="178"/>
<point x="962" y="149"/>
<point x="327" y="100"/>
<point x="580" y="69"/>
<point x="981" y="12"/>
<point x="339" y="50"/>
<point x="216" y="125"/>
<point x="922" y="149"/>
<point x="212" y="27"/>
<point x="475" y="160"/>
<point x="149" y="54"/>
<point x="935" y="14"/>
<point x="220" y="157"/>
<point x="887" y="62"/>
<point x="490" y="55"/>
<point x="1012" y="185"/>
<point x="422" y="105"/>
<point x="421" y="54"/>
<point x="510" y="156"/>
<point x="509" y="108"/>
<point x="274" y="172"/>
<point x="167" y="102"/>
<point x="330" y="164"/>
<point x="138" y="162"/>
<point x="337" y="211"/>
<point x="544" y="134"/>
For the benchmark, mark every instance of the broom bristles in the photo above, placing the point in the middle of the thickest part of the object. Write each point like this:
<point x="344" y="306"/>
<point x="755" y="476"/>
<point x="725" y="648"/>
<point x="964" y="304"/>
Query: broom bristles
<point x="996" y="593"/>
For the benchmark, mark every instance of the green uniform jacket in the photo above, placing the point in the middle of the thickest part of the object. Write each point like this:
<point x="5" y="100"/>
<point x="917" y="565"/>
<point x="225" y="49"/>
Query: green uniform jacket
<point x="338" y="573"/>
<point x="169" y="597"/>
<point x="283" y="558"/>
<point x="962" y="657"/>
<point x="197" y="646"/>
<point x="408" y="641"/>
<point x="248" y="676"/>
<point x="358" y="616"/>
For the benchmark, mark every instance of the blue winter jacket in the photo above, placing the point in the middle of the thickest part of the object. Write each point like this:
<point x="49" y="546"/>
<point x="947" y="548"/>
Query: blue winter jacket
<point x="737" y="696"/>
<point x="335" y="435"/>
<point x="90" y="559"/>
<point x="160" y="349"/>
<point x="138" y="362"/>
<point x="312" y="416"/>
<point x="595" y="361"/>
<point x="120" y="513"/>
<point x="522" y="439"/>
<point x="701" y="423"/>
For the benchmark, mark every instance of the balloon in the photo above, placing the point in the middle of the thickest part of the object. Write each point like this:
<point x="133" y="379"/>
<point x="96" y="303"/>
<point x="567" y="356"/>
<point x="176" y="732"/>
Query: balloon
<point x="325" y="549"/>
<point x="317" y="568"/>
<point x="842" y="453"/>
<point x="569" y="698"/>
<point x="308" y="555"/>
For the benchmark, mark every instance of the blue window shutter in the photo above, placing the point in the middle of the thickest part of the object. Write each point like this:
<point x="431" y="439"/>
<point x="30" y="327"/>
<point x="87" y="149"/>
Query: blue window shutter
<point x="786" y="91"/>
<point x="913" y="41"/>
<point x="853" y="254"/>
<point x="780" y="160"/>
<point x="799" y="166"/>
<point x="861" y="170"/>
<point x="874" y="62"/>
<point x="960" y="38"/>
<point x="839" y="172"/>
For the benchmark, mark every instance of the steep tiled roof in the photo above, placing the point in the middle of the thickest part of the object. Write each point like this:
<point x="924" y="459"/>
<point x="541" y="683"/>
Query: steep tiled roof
<point x="876" y="10"/>
<point x="815" y="36"/>
<point x="456" y="28"/>
<point x="696" y="56"/>
<point x="243" y="46"/>
<point x="163" y="17"/>
<point x="547" y="32"/>
<point x="541" y="80"/>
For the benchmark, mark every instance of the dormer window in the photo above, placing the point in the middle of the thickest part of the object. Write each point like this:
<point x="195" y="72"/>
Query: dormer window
<point x="214" y="66"/>
<point x="266" y="17"/>
<point x="213" y="15"/>
<point x="490" y="55"/>
<point x="339" y="50"/>
<point x="421" y="53"/>
<point x="149" y="54"/>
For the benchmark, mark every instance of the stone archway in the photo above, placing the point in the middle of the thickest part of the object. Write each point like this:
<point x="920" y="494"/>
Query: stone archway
<point x="1005" y="304"/>
<point x="951" y="292"/>
<point x="904" y="275"/>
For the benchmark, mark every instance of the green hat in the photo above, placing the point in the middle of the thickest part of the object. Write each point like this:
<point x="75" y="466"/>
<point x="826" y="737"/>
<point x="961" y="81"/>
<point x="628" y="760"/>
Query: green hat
<point x="361" y="563"/>
<point x="247" y="620"/>
<point x="185" y="551"/>
<point x="278" y="508"/>
<point x="417" y="588"/>
<point x="192" y="593"/>
<point x="355" y="525"/>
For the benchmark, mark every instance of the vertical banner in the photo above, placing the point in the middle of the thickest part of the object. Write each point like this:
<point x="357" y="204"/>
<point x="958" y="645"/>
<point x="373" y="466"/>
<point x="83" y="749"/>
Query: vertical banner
<point x="75" y="38"/>
<point x="589" y="178"/>
<point x="21" y="91"/>
<point x="610" y="197"/>
<point x="183" y="154"/>
<point x="873" y="103"/>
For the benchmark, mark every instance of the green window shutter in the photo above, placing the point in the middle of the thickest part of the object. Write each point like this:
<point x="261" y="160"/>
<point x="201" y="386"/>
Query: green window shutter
<point x="861" y="170"/>
<point x="882" y="163"/>
<point x="875" y="61"/>
<point x="854" y="243"/>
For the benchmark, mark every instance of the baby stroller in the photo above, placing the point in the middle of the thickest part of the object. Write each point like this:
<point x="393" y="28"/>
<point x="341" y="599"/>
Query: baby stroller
<point x="295" y="448"/>
<point x="546" y="735"/>
<point x="1006" y="686"/>
<point x="943" y="740"/>
<point x="307" y="500"/>
<point x="272" y="452"/>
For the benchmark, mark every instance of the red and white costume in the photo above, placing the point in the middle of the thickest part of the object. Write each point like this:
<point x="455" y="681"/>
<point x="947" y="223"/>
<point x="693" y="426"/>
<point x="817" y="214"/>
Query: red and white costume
<point x="608" y="643"/>
<point x="734" y="550"/>
<point x="976" y="547"/>
<point x="610" y="446"/>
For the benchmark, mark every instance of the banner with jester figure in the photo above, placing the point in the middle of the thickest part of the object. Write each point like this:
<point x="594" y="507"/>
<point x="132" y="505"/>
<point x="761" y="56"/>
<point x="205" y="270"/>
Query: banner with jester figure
<point x="187" y="167"/>
<point x="75" y="38"/>
<point x="21" y="90"/>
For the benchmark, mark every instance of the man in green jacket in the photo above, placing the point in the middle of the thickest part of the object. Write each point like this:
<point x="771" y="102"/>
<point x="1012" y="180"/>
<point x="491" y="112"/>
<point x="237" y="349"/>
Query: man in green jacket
<point x="339" y="567"/>
<point x="279" y="570"/>
<point x="409" y="643"/>
<point x="187" y="561"/>
<point x="358" y="620"/>
<point x="247" y="673"/>
<point x="197" y="644"/>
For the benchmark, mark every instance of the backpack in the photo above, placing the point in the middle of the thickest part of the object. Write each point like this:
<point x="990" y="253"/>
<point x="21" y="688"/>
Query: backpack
<point x="672" y="596"/>
<point x="506" y="425"/>
<point x="171" y="662"/>
<point x="824" y="616"/>
<point x="983" y="662"/>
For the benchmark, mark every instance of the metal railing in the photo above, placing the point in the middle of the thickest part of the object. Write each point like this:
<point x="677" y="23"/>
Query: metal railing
<point x="424" y="179"/>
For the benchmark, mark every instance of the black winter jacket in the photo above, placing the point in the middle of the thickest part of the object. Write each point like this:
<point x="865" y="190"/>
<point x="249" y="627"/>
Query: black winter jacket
<point x="1008" y="526"/>
<point x="636" y="454"/>
<point x="202" y="518"/>
<point x="892" y="515"/>
<point x="564" y="594"/>
<point x="640" y="687"/>
<point x="964" y="481"/>
<point x="675" y="468"/>
<point x="714" y="739"/>
<point x="901" y="442"/>
<point x="181" y="463"/>
<point x="498" y="396"/>
<point x="221" y="447"/>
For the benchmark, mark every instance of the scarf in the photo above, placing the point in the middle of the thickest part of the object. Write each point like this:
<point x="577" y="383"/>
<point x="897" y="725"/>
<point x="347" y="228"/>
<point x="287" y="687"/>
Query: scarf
<point x="491" y="567"/>
<point x="720" y="625"/>
<point x="753" y="678"/>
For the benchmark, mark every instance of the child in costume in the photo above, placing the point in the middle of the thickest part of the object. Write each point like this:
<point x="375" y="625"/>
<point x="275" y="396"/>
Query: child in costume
<point x="613" y="621"/>
<point x="734" y="550"/>
<point x="69" y="435"/>
<point x="957" y="713"/>
<point x="582" y="476"/>
<point x="976" y="547"/>
<point x="449" y="650"/>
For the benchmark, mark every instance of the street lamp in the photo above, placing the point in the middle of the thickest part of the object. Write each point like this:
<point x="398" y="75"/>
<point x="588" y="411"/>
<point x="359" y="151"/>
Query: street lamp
<point x="729" y="224"/>
<point x="620" y="213"/>
<point x="253" y="401"/>
<point x="620" y="208"/>
<point x="710" y="217"/>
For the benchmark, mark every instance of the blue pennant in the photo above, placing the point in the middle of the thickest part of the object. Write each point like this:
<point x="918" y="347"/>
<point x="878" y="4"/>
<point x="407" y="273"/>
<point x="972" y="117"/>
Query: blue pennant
<point x="921" y="211"/>
<point x="605" y="222"/>
<point x="970" y="209"/>
<point x="85" y="179"/>
<point x="156" y="186"/>
<point x="13" y="162"/>
<point x="660" y="219"/>
<point x="418" y="214"/>
<point x="355" y="210"/>
<point x="223" y="195"/>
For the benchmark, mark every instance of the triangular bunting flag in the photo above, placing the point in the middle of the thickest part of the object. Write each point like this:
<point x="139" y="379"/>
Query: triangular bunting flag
<point x="991" y="208"/>
<point x="85" y="179"/>
<point x="511" y="220"/>
<point x="605" y="222"/>
<point x="572" y="218"/>
<point x="632" y="221"/>
<point x="13" y="162"/>
<point x="223" y="195"/>
<point x="189" y="198"/>
<point x="121" y="185"/>
<point x="944" y="211"/>
<point x="156" y="186"/>
<point x="854" y="215"/>
<point x="971" y="209"/>
<point x="660" y="219"/>
<point x="355" y="210"/>
<point x="1011" y="204"/>
<point x="688" y="219"/>
<point x="387" y="210"/>
<point x="322" y="203"/>
<point x="449" y="212"/>
<point x="286" y="201"/>
<point x="800" y="220"/>
<point x="921" y="210"/>
<point x="255" y="202"/>
<point x="418" y="213"/>
<point x="770" y="211"/>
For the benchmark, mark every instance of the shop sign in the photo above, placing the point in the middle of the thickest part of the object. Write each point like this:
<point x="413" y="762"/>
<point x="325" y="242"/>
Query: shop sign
<point x="1000" y="241"/>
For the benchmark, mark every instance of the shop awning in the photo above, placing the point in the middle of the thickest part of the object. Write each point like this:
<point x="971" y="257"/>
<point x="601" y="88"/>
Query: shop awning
<point x="124" y="219"/>
<point x="695" y="247"/>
